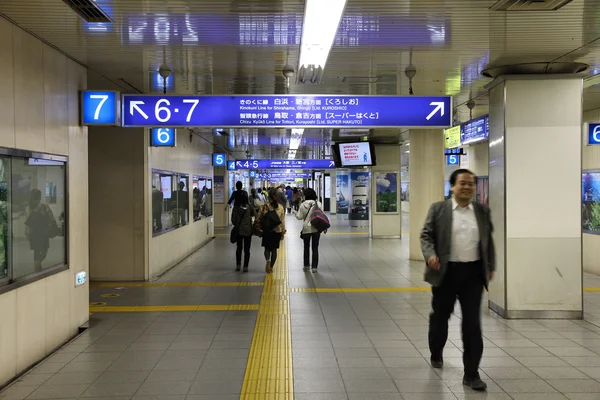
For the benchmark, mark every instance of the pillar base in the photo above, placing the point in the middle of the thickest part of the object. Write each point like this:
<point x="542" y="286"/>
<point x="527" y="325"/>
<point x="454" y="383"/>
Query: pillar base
<point x="535" y="314"/>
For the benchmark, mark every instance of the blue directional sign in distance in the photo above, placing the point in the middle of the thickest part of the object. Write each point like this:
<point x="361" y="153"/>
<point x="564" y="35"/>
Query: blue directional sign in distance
<point x="219" y="160"/>
<point x="291" y="164"/>
<point x="231" y="165"/>
<point x="290" y="111"/>
<point x="252" y="174"/>
<point x="100" y="108"/>
<point x="162" y="137"/>
<point x="453" y="160"/>
<point x="475" y="130"/>
<point x="290" y="175"/>
<point x="594" y="134"/>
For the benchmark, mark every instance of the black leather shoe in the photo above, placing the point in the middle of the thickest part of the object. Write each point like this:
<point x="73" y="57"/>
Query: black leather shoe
<point x="475" y="383"/>
<point x="437" y="363"/>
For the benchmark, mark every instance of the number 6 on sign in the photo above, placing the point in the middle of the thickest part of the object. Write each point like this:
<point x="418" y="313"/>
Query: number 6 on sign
<point x="162" y="137"/>
<point x="100" y="108"/>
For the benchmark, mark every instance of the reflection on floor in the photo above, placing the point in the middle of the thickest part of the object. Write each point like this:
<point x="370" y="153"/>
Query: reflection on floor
<point x="358" y="331"/>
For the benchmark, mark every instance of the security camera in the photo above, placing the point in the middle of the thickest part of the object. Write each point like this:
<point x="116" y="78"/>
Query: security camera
<point x="164" y="71"/>
<point x="288" y="71"/>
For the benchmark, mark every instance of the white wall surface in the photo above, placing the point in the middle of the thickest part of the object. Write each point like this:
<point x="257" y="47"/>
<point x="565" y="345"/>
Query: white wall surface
<point x="591" y="160"/>
<point x="40" y="111"/>
<point x="385" y="225"/>
<point x="479" y="159"/>
<point x="194" y="158"/>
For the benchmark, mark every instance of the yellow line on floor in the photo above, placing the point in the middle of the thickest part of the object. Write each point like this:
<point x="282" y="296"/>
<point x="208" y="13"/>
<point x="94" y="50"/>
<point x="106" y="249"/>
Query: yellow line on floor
<point x="175" y="284"/>
<point x="203" y="307"/>
<point x="269" y="370"/>
<point x="360" y="290"/>
<point x="591" y="289"/>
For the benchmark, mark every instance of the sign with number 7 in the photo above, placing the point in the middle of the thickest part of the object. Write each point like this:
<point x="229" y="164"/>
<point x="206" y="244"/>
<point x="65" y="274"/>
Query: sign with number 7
<point x="100" y="107"/>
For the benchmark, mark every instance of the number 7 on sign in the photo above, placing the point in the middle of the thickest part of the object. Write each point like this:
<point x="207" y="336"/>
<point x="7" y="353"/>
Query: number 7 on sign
<point x="103" y="98"/>
<point x="195" y="103"/>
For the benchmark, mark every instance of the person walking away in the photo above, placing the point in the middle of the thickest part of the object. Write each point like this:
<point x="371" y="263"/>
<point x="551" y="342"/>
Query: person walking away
<point x="309" y="232"/>
<point x="255" y="200"/>
<point x="40" y="227"/>
<point x="289" y="194"/>
<point x="281" y="197"/>
<point x="244" y="226"/>
<point x="457" y="244"/>
<point x="296" y="198"/>
<point x="272" y="238"/>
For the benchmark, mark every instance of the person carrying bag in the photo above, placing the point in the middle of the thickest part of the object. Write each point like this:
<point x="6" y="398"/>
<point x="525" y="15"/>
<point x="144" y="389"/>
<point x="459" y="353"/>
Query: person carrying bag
<point x="308" y="211"/>
<point x="270" y="225"/>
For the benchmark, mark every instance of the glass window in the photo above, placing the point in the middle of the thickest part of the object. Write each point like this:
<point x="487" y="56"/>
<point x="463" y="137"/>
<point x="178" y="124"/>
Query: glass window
<point x="37" y="199"/>
<point x="4" y="221"/>
<point x="202" y="197"/>
<point x="170" y="201"/>
<point x="208" y="203"/>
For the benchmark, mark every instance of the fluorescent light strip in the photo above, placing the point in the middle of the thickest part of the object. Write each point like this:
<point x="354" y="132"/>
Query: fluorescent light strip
<point x="321" y="21"/>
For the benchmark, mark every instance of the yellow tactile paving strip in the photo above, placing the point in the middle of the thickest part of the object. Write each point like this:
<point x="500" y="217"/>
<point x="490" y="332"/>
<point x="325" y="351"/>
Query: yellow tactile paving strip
<point x="204" y="307"/>
<point x="176" y="284"/>
<point x="269" y="372"/>
<point x="360" y="290"/>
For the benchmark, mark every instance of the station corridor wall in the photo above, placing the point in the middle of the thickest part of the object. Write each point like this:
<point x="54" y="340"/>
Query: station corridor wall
<point x="40" y="112"/>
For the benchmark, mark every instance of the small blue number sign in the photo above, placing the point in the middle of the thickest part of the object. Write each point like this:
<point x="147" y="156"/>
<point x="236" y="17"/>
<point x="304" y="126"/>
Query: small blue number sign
<point x="162" y="137"/>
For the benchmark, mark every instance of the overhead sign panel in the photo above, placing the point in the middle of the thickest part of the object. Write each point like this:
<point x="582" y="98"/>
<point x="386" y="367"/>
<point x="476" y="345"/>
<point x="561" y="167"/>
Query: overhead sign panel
<point x="287" y="164"/>
<point x="475" y="130"/>
<point x="453" y="160"/>
<point x="452" y="137"/>
<point x="219" y="160"/>
<point x="284" y="175"/>
<point x="162" y="137"/>
<point x="594" y="134"/>
<point x="289" y="111"/>
<point x="100" y="107"/>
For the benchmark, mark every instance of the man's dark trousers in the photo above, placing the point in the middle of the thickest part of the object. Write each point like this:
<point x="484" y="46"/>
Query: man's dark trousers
<point x="465" y="281"/>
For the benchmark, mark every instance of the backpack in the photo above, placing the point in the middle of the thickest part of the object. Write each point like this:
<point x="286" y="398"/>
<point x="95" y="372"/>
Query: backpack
<point x="319" y="220"/>
<point x="269" y="221"/>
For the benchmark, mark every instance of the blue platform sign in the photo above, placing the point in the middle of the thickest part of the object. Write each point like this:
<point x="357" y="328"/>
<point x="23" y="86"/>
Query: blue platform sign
<point x="594" y="134"/>
<point x="289" y="175"/>
<point x="291" y="111"/>
<point x="100" y="108"/>
<point x="231" y="165"/>
<point x="252" y="174"/>
<point x="280" y="164"/>
<point x="162" y="137"/>
<point x="453" y="160"/>
<point x="219" y="160"/>
<point x="475" y="130"/>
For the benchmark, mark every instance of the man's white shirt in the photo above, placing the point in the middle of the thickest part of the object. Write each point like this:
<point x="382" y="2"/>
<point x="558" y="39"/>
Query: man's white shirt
<point x="465" y="234"/>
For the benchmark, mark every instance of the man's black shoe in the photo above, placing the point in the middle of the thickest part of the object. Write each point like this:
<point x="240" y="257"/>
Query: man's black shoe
<point x="475" y="383"/>
<point x="437" y="363"/>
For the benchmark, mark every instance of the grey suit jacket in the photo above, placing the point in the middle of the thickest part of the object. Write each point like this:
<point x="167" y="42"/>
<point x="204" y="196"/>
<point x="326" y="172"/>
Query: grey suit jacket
<point x="436" y="239"/>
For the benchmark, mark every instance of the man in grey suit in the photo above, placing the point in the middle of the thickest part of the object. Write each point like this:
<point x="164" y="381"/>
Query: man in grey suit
<point x="457" y="244"/>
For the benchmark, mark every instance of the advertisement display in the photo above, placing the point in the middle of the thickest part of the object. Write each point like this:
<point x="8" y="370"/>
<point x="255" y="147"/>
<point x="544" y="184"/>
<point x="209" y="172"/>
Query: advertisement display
<point x="360" y="183"/>
<point x="452" y="137"/>
<point x="342" y="189"/>
<point x="386" y="188"/>
<point x="482" y="194"/>
<point x="355" y="154"/>
<point x="590" y="219"/>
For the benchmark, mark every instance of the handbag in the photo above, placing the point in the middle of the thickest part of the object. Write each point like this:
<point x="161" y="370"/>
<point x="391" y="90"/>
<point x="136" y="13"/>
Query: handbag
<point x="233" y="236"/>
<point x="270" y="221"/>
<point x="306" y="216"/>
<point x="256" y="227"/>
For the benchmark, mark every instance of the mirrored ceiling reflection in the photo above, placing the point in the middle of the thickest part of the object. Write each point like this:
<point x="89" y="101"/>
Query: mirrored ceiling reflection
<point x="272" y="143"/>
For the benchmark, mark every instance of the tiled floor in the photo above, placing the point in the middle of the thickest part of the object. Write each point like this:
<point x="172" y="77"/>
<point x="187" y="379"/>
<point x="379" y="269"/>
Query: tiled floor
<point x="362" y="345"/>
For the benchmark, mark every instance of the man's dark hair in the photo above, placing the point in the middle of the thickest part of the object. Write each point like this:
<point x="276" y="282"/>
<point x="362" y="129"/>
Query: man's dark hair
<point x="238" y="185"/>
<point x="458" y="172"/>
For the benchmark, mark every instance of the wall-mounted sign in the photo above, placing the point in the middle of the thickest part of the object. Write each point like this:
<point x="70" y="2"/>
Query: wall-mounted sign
<point x="475" y="130"/>
<point x="291" y="164"/>
<point x="276" y="111"/>
<point x="80" y="278"/>
<point x="219" y="160"/>
<point x="100" y="107"/>
<point x="231" y="165"/>
<point x="452" y="137"/>
<point x="456" y="151"/>
<point x="594" y="133"/>
<point x="162" y="137"/>
<point x="453" y="160"/>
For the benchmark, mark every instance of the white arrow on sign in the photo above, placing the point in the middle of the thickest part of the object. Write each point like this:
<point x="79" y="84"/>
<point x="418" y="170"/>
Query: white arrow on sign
<point x="135" y="105"/>
<point x="331" y="163"/>
<point x="439" y="106"/>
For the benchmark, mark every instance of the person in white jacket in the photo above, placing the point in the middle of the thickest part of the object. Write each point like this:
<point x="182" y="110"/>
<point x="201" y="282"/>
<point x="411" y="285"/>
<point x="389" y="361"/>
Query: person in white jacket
<point x="308" y="231"/>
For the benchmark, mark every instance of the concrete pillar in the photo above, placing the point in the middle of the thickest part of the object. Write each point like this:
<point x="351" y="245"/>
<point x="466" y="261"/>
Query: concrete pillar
<point x="426" y="170"/>
<point x="479" y="158"/>
<point x="386" y="222"/>
<point x="535" y="196"/>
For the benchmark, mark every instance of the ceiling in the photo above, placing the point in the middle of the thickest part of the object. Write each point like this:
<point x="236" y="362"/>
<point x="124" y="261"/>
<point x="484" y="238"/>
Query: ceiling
<point x="241" y="46"/>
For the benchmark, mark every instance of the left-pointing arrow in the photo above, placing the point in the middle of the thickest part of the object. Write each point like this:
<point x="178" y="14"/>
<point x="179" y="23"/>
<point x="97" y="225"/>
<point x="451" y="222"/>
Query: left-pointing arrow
<point x="135" y="105"/>
<point x="439" y="107"/>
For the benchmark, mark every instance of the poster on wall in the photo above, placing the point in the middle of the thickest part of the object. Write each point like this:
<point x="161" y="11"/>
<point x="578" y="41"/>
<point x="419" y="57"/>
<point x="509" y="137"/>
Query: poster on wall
<point x="359" y="205"/>
<point x="342" y="189"/>
<point x="219" y="190"/>
<point x="590" y="219"/>
<point x="483" y="185"/>
<point x="386" y="192"/>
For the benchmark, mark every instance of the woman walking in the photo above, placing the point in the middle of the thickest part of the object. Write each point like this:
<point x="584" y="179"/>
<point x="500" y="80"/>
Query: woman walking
<point x="308" y="231"/>
<point x="272" y="237"/>
<point x="243" y="224"/>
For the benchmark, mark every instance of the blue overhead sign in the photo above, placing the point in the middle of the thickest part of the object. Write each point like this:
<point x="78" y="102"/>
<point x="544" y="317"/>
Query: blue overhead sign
<point x="453" y="160"/>
<point x="162" y="137"/>
<point x="475" y="130"/>
<point x="291" y="164"/>
<point x="276" y="111"/>
<point x="231" y="165"/>
<point x="594" y="134"/>
<point x="219" y="160"/>
<point x="288" y="175"/>
<point x="456" y="150"/>
<point x="100" y="108"/>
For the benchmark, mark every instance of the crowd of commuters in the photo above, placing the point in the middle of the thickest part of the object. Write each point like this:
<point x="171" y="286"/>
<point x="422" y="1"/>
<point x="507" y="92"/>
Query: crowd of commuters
<point x="262" y="213"/>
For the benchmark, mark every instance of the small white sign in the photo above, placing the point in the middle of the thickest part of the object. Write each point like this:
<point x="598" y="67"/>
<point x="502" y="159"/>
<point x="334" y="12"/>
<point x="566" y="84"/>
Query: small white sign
<point x="80" y="278"/>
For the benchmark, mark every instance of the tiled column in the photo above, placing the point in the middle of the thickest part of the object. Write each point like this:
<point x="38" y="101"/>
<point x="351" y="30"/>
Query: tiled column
<point x="535" y="196"/>
<point x="426" y="170"/>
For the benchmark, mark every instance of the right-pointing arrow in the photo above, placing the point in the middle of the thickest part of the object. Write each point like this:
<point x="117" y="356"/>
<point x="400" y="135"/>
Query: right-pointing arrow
<point x="135" y="105"/>
<point x="331" y="163"/>
<point x="439" y="107"/>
